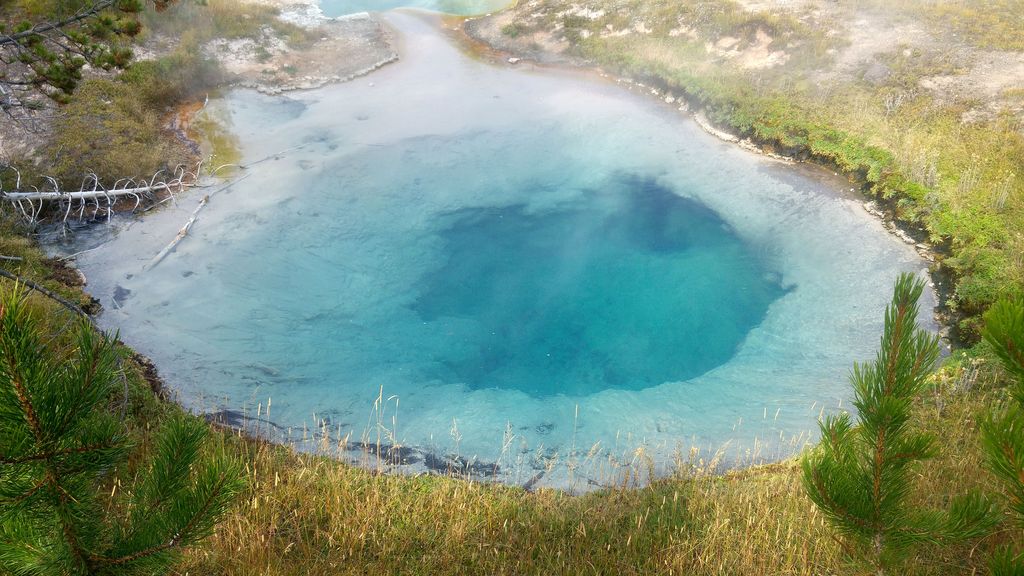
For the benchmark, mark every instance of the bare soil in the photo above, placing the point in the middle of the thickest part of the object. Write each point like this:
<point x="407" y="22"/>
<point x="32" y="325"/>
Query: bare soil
<point x="347" y="47"/>
<point x="867" y="44"/>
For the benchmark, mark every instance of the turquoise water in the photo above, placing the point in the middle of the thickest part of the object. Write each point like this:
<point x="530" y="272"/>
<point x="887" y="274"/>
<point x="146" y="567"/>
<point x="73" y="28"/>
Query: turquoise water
<point x="532" y="268"/>
<point x="333" y="8"/>
<point x="627" y="287"/>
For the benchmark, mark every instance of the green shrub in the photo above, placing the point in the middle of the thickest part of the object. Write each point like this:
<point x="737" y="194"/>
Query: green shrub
<point x="185" y="73"/>
<point x="109" y="129"/>
<point x="60" y="446"/>
<point x="115" y="128"/>
<point x="512" y="30"/>
<point x="861" y="475"/>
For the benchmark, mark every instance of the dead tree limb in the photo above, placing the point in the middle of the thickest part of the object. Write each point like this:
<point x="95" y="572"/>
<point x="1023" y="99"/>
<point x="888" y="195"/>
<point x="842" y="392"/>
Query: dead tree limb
<point x="93" y="196"/>
<point x="181" y="235"/>
<point x="188" y="225"/>
<point x="46" y="292"/>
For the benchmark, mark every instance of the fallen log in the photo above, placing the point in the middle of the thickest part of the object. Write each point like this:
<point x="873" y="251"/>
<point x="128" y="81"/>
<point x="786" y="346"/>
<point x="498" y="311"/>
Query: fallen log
<point x="92" y="193"/>
<point x="188" y="225"/>
<point x="87" y="194"/>
<point x="181" y="235"/>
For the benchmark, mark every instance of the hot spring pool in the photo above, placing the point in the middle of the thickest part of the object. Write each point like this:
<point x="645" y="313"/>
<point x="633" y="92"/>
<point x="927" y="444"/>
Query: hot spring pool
<point x="536" y="269"/>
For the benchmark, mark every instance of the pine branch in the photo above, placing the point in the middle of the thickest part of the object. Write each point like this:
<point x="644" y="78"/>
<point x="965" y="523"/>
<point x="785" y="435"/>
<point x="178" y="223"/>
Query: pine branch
<point x="46" y="59"/>
<point x="1004" y="562"/>
<point x="40" y="29"/>
<point x="59" y="444"/>
<point x="183" y="536"/>
<point x="830" y="505"/>
<point x="177" y="448"/>
<point x="45" y="292"/>
<point x="18" y="339"/>
<point x="860" y="476"/>
<point x="26" y="495"/>
<point x="1003" y="433"/>
<point x="53" y="454"/>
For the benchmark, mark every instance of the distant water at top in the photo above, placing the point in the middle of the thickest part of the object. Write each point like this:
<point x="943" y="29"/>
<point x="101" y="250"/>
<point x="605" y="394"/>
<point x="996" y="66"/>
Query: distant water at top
<point x="536" y="269"/>
<point x="334" y="8"/>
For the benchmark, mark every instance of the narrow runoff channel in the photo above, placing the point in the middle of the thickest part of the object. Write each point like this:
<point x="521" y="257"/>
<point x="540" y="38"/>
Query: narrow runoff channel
<point x="534" y="275"/>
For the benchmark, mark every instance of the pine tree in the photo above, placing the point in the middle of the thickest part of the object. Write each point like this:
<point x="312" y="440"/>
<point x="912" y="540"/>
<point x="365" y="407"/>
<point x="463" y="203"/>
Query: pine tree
<point x="60" y="446"/>
<point x="47" y="57"/>
<point x="860" y="474"/>
<point x="1003" y="431"/>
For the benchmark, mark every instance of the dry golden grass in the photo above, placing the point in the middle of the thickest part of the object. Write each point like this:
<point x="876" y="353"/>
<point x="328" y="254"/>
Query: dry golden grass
<point x="311" y="515"/>
<point x="995" y="24"/>
<point x="307" y="514"/>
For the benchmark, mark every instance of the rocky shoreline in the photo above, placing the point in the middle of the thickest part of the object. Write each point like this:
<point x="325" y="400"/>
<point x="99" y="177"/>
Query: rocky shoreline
<point x="347" y="47"/>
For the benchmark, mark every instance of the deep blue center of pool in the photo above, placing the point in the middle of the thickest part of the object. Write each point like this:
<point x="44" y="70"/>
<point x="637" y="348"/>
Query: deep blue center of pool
<point x="628" y="287"/>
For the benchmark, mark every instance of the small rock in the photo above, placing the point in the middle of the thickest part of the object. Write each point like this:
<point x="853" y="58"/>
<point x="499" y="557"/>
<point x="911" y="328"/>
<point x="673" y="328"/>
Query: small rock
<point x="903" y="236"/>
<point x="877" y="74"/>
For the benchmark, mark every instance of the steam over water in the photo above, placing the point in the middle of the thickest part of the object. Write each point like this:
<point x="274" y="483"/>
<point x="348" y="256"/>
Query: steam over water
<point x="334" y="8"/>
<point x="540" y="269"/>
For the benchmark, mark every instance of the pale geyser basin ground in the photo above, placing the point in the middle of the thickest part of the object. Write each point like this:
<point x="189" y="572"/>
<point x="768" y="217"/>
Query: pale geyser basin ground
<point x="335" y="8"/>
<point x="333" y="270"/>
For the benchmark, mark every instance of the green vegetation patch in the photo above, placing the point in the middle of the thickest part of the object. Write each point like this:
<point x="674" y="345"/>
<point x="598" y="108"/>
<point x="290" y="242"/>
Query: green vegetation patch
<point x="115" y="127"/>
<point x="230" y="19"/>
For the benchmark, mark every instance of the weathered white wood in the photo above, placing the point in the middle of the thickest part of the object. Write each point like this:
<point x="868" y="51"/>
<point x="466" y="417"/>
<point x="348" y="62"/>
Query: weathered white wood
<point x="188" y="225"/>
<point x="181" y="234"/>
<point x="182" y="178"/>
<point x="92" y="193"/>
<point x="86" y="194"/>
